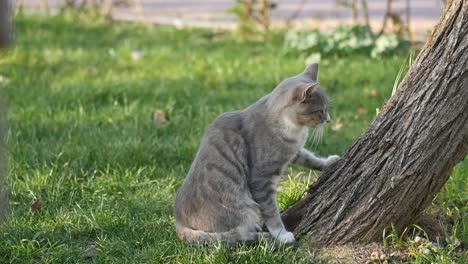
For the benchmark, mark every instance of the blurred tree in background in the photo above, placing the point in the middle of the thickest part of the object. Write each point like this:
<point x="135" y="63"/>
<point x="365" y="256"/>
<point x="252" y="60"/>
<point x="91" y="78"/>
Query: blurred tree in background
<point x="254" y="17"/>
<point x="4" y="23"/>
<point x="4" y="41"/>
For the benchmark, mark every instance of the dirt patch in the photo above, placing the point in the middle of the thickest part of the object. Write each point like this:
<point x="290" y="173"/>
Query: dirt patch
<point x="371" y="253"/>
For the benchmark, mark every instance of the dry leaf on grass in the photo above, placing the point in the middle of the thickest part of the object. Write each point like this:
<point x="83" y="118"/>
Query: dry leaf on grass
<point x="36" y="205"/>
<point x="373" y="92"/>
<point x="337" y="126"/>
<point x="377" y="256"/>
<point x="159" y="117"/>
<point x="361" y="111"/>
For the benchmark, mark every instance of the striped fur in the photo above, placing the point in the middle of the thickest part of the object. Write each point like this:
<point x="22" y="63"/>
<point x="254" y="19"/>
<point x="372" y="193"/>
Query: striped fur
<point x="240" y="159"/>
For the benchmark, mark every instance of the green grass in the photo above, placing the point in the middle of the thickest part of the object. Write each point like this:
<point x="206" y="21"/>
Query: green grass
<point x="81" y="135"/>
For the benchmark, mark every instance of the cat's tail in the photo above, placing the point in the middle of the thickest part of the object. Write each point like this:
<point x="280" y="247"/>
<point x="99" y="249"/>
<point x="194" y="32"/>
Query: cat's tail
<point x="235" y="236"/>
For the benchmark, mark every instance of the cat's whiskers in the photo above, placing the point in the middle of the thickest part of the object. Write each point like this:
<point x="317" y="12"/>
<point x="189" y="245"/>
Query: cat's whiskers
<point x="314" y="132"/>
<point x="317" y="134"/>
<point x="320" y="134"/>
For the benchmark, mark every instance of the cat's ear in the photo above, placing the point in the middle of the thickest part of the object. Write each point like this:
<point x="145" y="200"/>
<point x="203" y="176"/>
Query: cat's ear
<point x="312" y="71"/>
<point x="308" y="90"/>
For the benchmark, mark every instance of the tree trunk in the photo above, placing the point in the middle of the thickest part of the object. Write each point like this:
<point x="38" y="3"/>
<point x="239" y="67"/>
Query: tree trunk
<point x="4" y="24"/>
<point x="394" y="170"/>
<point x="388" y="9"/>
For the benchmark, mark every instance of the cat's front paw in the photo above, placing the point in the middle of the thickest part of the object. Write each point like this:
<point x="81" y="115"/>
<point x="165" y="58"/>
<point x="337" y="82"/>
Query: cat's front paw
<point x="284" y="237"/>
<point x="331" y="160"/>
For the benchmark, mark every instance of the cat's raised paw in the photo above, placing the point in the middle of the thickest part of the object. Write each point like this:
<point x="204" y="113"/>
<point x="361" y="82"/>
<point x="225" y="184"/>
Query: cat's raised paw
<point x="332" y="160"/>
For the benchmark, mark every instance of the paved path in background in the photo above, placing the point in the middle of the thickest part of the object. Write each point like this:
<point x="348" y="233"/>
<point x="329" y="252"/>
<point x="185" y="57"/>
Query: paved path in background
<point x="316" y="13"/>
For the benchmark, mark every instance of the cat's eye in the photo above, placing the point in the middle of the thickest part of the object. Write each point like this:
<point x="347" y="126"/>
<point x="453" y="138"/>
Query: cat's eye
<point x="314" y="112"/>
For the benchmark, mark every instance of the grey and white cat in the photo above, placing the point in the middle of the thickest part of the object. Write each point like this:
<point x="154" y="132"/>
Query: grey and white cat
<point x="240" y="160"/>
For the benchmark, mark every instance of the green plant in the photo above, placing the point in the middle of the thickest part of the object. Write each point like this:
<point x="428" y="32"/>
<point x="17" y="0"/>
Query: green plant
<point x="254" y="17"/>
<point x="294" y="187"/>
<point x="344" y="40"/>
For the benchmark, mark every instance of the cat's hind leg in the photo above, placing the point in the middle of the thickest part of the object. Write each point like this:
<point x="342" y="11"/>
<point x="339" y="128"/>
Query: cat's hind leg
<point x="242" y="234"/>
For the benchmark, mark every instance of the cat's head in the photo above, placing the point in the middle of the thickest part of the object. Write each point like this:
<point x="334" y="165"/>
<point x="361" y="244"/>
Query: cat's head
<point x="307" y="103"/>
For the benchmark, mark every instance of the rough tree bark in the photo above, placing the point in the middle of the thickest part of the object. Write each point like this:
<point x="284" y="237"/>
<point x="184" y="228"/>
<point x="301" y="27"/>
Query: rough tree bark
<point x="394" y="170"/>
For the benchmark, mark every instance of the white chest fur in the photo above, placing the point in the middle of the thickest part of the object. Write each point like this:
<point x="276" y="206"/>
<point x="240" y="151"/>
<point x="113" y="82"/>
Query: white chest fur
<point x="294" y="132"/>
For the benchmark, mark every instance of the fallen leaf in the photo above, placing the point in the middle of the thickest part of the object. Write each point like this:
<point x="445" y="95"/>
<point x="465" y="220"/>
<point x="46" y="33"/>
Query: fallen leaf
<point x="425" y="251"/>
<point x="374" y="256"/>
<point x="159" y="117"/>
<point x="373" y="92"/>
<point x="36" y="205"/>
<point x="337" y="126"/>
<point x="419" y="240"/>
<point x="361" y="111"/>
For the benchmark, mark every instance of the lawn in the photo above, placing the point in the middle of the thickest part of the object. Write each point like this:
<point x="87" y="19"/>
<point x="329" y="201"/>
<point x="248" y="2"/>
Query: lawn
<point x="82" y="136"/>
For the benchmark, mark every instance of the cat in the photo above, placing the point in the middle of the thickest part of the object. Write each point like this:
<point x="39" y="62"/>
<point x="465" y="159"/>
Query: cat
<point x="239" y="162"/>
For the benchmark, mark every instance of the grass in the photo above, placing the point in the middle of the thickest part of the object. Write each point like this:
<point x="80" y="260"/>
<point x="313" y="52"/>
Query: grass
<point x="81" y="135"/>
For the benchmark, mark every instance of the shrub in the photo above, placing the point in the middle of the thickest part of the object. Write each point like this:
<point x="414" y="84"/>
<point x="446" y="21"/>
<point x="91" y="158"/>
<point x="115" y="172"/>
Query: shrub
<point x="344" y="40"/>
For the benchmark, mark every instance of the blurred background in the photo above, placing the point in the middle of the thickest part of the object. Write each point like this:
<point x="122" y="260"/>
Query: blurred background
<point x="416" y="16"/>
